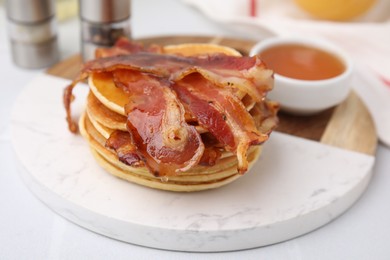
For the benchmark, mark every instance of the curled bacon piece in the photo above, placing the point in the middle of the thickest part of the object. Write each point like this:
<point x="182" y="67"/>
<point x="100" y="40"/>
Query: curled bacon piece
<point x="121" y="142"/>
<point x="222" y="113"/>
<point x="155" y="119"/>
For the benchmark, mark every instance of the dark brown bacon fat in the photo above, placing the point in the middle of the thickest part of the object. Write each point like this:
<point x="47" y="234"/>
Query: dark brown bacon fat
<point x="161" y="84"/>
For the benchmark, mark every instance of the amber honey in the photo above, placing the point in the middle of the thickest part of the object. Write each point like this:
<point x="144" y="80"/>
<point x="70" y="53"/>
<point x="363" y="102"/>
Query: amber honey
<point x="302" y="62"/>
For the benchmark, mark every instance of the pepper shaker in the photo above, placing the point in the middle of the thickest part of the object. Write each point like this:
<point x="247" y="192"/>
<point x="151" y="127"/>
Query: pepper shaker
<point x="102" y="23"/>
<point x="33" y="33"/>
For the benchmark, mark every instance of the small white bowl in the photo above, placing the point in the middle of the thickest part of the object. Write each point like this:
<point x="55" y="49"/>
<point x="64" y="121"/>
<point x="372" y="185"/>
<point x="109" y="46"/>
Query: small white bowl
<point x="307" y="97"/>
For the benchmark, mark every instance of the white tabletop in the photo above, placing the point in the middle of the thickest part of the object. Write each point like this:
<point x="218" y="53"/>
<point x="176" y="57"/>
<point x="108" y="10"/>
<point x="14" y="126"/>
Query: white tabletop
<point x="30" y="230"/>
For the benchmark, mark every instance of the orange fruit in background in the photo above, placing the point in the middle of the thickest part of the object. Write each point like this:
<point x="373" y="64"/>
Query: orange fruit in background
<point x="338" y="10"/>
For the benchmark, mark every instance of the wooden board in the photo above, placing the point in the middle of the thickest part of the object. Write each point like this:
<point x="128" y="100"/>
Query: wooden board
<point x="348" y="126"/>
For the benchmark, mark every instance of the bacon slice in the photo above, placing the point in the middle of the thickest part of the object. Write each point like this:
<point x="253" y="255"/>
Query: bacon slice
<point x="110" y="52"/>
<point x="244" y="73"/>
<point x="124" y="46"/>
<point x="247" y="74"/>
<point x="155" y="119"/>
<point x="222" y="113"/>
<point x="210" y="156"/>
<point x="122" y="144"/>
<point x="264" y="114"/>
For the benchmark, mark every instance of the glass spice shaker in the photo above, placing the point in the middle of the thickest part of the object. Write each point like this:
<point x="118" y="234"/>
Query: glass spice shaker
<point x="102" y="23"/>
<point x="33" y="33"/>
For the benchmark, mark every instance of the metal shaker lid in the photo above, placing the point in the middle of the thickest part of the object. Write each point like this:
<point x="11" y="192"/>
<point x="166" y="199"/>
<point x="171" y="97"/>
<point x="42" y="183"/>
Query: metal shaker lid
<point x="30" y="11"/>
<point x="104" y="11"/>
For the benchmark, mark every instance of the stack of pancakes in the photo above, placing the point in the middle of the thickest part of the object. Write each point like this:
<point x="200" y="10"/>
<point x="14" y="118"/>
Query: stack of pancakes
<point x="105" y="113"/>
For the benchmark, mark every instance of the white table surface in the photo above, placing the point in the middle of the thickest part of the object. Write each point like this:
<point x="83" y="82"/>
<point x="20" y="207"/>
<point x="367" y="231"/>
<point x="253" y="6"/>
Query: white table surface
<point x="30" y="230"/>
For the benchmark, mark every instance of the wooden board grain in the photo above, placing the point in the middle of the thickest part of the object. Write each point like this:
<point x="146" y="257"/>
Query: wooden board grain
<point x="347" y="126"/>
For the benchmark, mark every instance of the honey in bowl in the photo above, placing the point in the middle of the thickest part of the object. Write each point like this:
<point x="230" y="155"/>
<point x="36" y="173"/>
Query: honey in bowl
<point x="302" y="62"/>
<point x="311" y="75"/>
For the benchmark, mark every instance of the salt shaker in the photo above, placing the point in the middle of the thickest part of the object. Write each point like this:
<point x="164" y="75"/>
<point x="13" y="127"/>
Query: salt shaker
<point x="33" y="33"/>
<point x="102" y="23"/>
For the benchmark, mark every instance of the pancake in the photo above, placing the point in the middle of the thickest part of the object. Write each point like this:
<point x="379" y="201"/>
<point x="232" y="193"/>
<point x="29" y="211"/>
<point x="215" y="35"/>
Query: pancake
<point x="191" y="49"/>
<point x="158" y="184"/>
<point x="98" y="141"/>
<point x="105" y="114"/>
<point x="107" y="93"/>
<point x="196" y="179"/>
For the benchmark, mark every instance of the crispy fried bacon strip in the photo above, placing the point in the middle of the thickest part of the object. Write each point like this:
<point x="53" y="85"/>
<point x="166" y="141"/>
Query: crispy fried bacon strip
<point x="122" y="144"/>
<point x="243" y="73"/>
<point x="222" y="113"/>
<point x="247" y="74"/>
<point x="67" y="99"/>
<point x="155" y="120"/>
<point x="123" y="47"/>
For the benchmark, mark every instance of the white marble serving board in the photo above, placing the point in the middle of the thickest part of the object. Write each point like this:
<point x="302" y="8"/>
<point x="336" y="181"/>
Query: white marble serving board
<point x="296" y="186"/>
